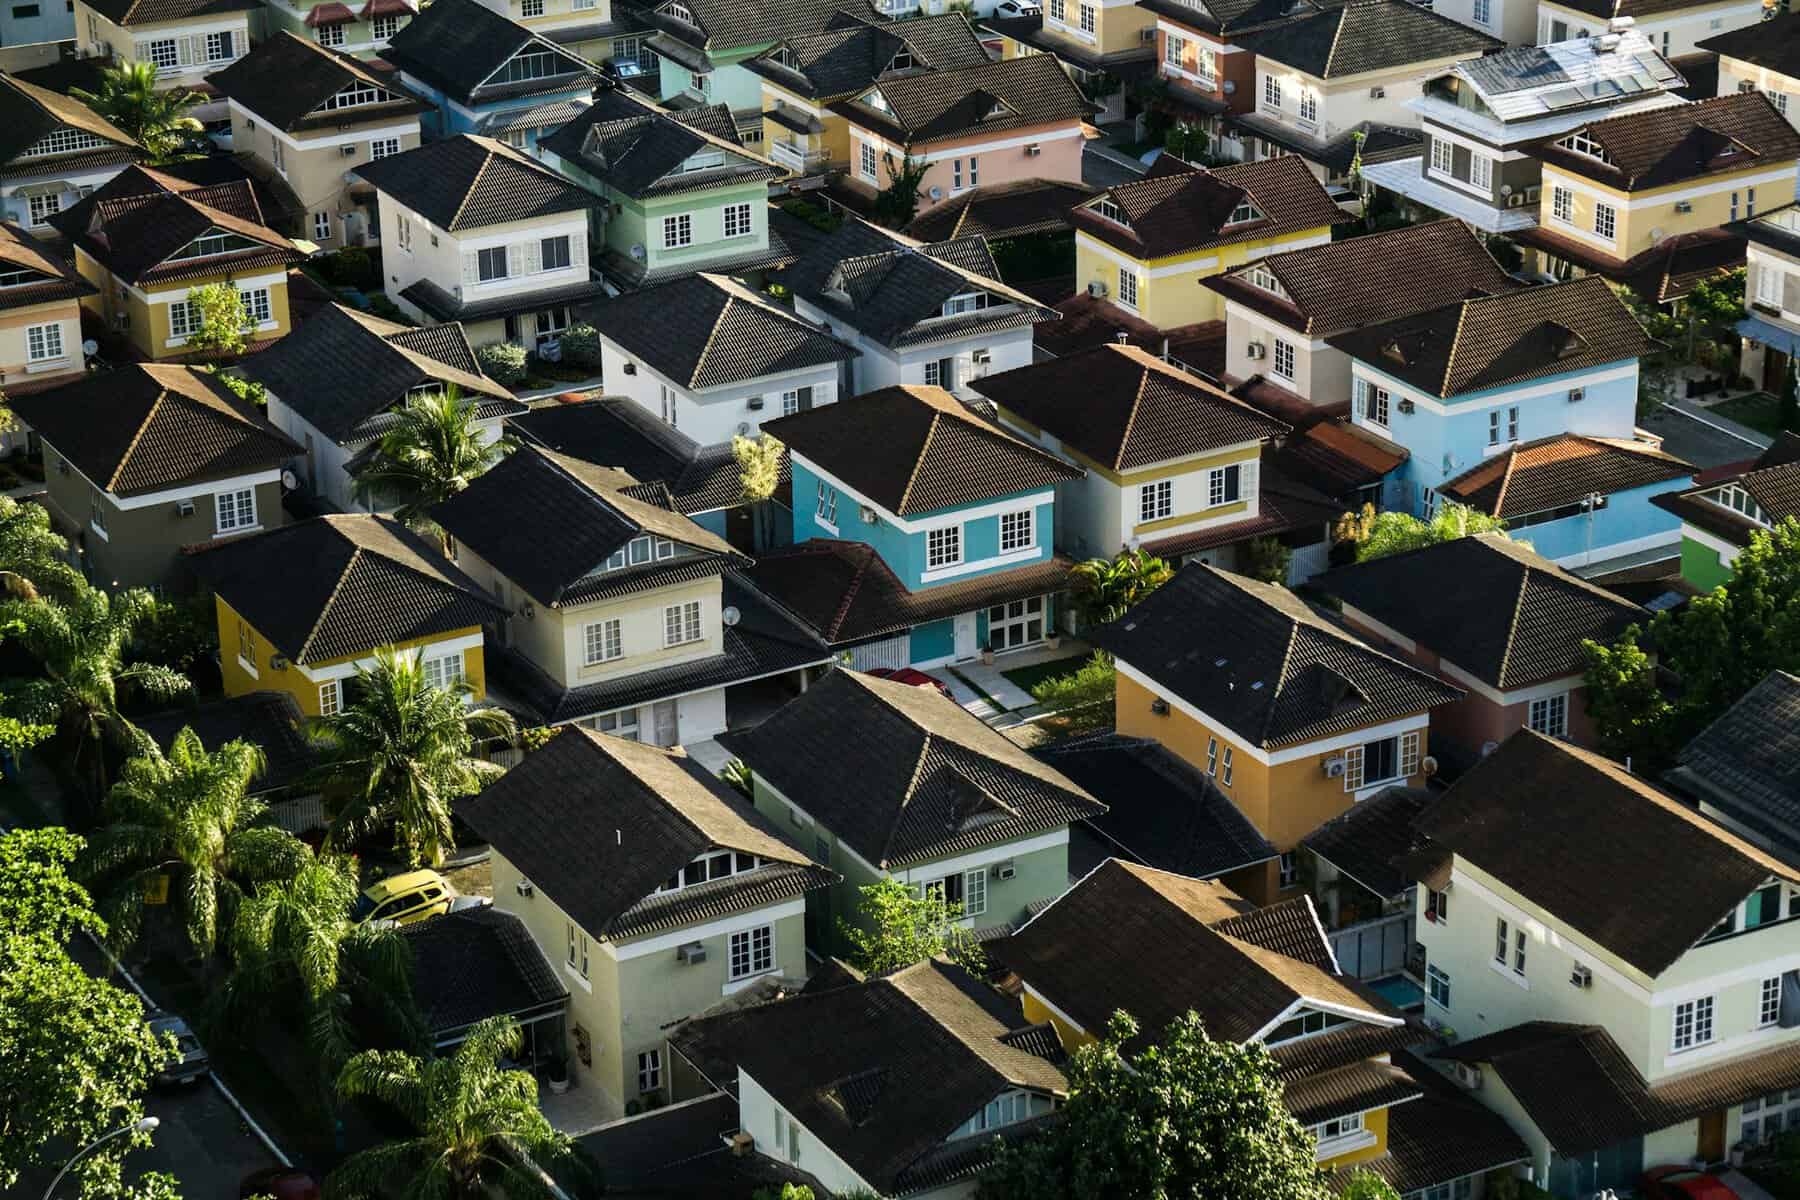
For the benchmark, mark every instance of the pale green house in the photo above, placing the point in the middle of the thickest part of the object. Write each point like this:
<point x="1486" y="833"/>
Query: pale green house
<point x="879" y="779"/>
<point x="1720" y="516"/>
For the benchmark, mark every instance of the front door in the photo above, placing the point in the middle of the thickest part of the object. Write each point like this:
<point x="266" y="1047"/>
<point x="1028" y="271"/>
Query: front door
<point x="1711" y="1145"/>
<point x="965" y="636"/>
<point x="666" y="729"/>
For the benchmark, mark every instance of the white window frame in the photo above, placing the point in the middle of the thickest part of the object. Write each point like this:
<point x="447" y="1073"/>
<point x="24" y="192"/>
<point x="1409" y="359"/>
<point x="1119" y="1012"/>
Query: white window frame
<point x="735" y="220"/>
<point x="331" y="696"/>
<point x="1549" y="715"/>
<point x="1271" y="92"/>
<point x="602" y="642"/>
<point x="578" y="948"/>
<point x="442" y="670"/>
<point x="1376" y="407"/>
<point x="754" y="946"/>
<point x="678" y="231"/>
<point x="329" y="35"/>
<point x="649" y="1071"/>
<point x="240" y="504"/>
<point x="42" y="208"/>
<point x="1693" y="1024"/>
<point x="1128" y="287"/>
<point x="1562" y="204"/>
<point x="221" y="45"/>
<point x="44" y="343"/>
<point x="1281" y="360"/>
<point x="323" y="227"/>
<point x="868" y="162"/>
<point x="1437" y="985"/>
<point x="943" y="547"/>
<point x="681" y="624"/>
<point x="383" y="147"/>
<point x="1156" y="500"/>
<point x="1768" y="1008"/>
<point x="1287" y="868"/>
<point x="975" y="889"/>
<point x="1606" y="220"/>
<point x="1012" y="536"/>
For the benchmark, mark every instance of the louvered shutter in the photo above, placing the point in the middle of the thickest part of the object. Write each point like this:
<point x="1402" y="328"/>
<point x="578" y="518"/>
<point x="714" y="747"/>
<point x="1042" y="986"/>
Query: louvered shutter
<point x="187" y="51"/>
<point x="515" y="259"/>
<point x="471" y="268"/>
<point x="578" y="250"/>
<point x="534" y="256"/>
<point x="806" y="399"/>
<point x="1790" y="292"/>
<point x="1247" y="481"/>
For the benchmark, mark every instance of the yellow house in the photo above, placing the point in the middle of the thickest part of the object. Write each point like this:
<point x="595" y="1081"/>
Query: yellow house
<point x="153" y="234"/>
<point x="1624" y="196"/>
<point x="1144" y="246"/>
<point x="302" y="607"/>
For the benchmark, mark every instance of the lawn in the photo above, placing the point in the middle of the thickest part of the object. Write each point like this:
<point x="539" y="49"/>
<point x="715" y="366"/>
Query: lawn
<point x="1759" y="410"/>
<point x="1029" y="677"/>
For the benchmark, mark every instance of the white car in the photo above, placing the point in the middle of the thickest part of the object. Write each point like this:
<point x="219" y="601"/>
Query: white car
<point x="1018" y="8"/>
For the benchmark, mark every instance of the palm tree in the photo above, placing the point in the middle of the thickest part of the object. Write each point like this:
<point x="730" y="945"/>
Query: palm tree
<point x="400" y="752"/>
<point x="188" y="815"/>
<point x="434" y="452"/>
<point x="1106" y="589"/>
<point x="157" y="120"/>
<point x="33" y="557"/>
<point x="477" y="1128"/>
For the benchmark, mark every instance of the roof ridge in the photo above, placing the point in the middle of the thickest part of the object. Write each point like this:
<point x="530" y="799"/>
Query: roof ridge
<point x="143" y="428"/>
<point x="912" y="785"/>
<point x="1462" y="316"/>
<point x="1343" y="15"/>
<point x="486" y="161"/>
<point x="850" y="593"/>
<point x="1506" y="474"/>
<point x="1137" y="403"/>
<point x="325" y="608"/>
<point x="937" y="415"/>
<point x="1512" y="627"/>
<point x="1287" y="654"/>
<point x="712" y="335"/>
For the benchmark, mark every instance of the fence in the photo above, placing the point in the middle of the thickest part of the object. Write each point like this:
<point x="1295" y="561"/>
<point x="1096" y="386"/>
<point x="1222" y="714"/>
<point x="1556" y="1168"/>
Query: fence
<point x="1374" y="948"/>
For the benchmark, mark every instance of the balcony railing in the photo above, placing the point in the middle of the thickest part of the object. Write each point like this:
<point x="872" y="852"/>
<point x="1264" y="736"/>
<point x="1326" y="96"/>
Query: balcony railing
<point x="1372" y="949"/>
<point x="795" y="159"/>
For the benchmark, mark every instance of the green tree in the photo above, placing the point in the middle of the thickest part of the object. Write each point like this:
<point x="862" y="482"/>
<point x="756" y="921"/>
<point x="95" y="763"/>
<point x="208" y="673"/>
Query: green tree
<point x="898" y="202"/>
<point x="1268" y="560"/>
<point x="1631" y="716"/>
<point x="1367" y="1185"/>
<point x="759" y="474"/>
<point x="220" y="320"/>
<point x="1701" y="331"/>
<point x="400" y="751"/>
<point x="159" y="120"/>
<point x="476" y="1128"/>
<point x="433" y="452"/>
<point x="1106" y="589"/>
<point x="187" y="817"/>
<point x="1189" y="1118"/>
<point x="1377" y="535"/>
<point x="1085" y="697"/>
<point x="36" y="554"/>
<point x="908" y="927"/>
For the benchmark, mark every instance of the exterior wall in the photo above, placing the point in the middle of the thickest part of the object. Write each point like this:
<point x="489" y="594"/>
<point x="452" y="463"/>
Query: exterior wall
<point x="1706" y="561"/>
<point x="1506" y="168"/>
<point x="1201" y="65"/>
<point x="359" y="36"/>
<point x="1673" y="33"/>
<point x="325" y="466"/>
<point x="1628" y="523"/>
<point x="1321" y="372"/>
<point x="101" y="37"/>
<point x="145" y="315"/>
<point x="315" y="166"/>
<point x="16" y="367"/>
<point x="712" y="416"/>
<point x="1737" y="75"/>
<point x="1002" y="160"/>
<point x="638" y="224"/>
<point x="879" y="365"/>
<point x="1514" y="21"/>
<point x="50" y="174"/>
<point x="1712" y="202"/>
<point x="766" y="1121"/>
<point x="833" y="142"/>
<point x="1118" y="27"/>
<point x="1344" y="102"/>
<point x="47" y="24"/>
<point x="1169" y="291"/>
<point x="728" y="84"/>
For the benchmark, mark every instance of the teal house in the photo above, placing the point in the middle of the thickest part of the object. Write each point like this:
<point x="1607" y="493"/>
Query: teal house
<point x="883" y="780"/>
<point x="923" y="534"/>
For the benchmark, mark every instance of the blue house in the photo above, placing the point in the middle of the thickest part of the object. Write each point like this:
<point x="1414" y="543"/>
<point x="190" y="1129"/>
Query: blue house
<point x="923" y="534"/>
<point x="1523" y="404"/>
<point x="487" y="75"/>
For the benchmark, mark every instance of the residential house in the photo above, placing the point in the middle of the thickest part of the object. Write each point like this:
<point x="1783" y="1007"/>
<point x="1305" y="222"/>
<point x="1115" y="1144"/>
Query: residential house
<point x="271" y="722"/>
<point x="597" y="30"/>
<point x="918" y="314"/>
<point x="1496" y="619"/>
<point x="149" y="237"/>
<point x="935" y="531"/>
<point x="312" y="116"/>
<point x="1292" y="716"/>
<point x="1624" y="191"/>
<point x="364" y="32"/>
<point x="1160" y="946"/>
<point x="1763" y="56"/>
<point x="1005" y="210"/>
<point x="1771" y="327"/>
<point x="712" y="358"/>
<point x="59" y="150"/>
<point x="1171" y="463"/>
<point x="907" y="1080"/>
<point x="1741" y="769"/>
<point x="1676" y="30"/>
<point x="678" y="193"/>
<point x="302" y="608"/>
<point x="893" y="781"/>
<point x="478" y="963"/>
<point x="40" y="334"/>
<point x="1280" y="310"/>
<point x="967" y="127"/>
<point x="1480" y="119"/>
<point x="1145" y="245"/>
<point x="1100" y="44"/>
<point x="473" y="231"/>
<point x="1358" y="865"/>
<point x="1208" y="74"/>
<point x="487" y="75"/>
<point x="657" y="892"/>
<point x="185" y="40"/>
<point x="1720" y="515"/>
<point x="334" y="385"/>
<point x="804" y="75"/>
<point x="146" y="459"/>
<point x="620" y="613"/>
<point x="1674" y="1026"/>
<point x="36" y="24"/>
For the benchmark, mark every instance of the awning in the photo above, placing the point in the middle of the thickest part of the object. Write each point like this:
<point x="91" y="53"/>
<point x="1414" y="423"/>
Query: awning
<point x="50" y="187"/>
<point x="1766" y="332"/>
<point x="329" y="14"/>
<point x="388" y="8"/>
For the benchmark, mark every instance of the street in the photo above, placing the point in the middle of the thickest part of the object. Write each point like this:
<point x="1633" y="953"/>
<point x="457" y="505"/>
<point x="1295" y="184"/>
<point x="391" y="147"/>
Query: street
<point x="202" y="1142"/>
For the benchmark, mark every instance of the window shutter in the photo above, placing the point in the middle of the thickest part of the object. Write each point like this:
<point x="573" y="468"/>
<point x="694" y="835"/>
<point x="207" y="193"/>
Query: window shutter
<point x="1409" y="754"/>
<point x="1247" y="480"/>
<point x="1790" y="292"/>
<point x="578" y="250"/>
<point x="515" y="259"/>
<point x="806" y="398"/>
<point x="471" y="268"/>
<point x="533" y="252"/>
<point x="1353" y="768"/>
<point x="187" y="51"/>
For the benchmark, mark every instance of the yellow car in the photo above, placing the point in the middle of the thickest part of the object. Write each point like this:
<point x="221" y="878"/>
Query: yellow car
<point x="405" y="898"/>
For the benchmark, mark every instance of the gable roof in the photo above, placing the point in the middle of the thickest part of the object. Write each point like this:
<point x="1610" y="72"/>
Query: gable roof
<point x="341" y="585"/>
<point x="477" y="963"/>
<point x="457" y="45"/>
<point x="147" y="426"/>
<point x="1509" y="815"/>
<point x="29" y="114"/>
<point x="1773" y="481"/>
<point x="902" y="774"/>
<point x="1368" y="35"/>
<point x="835" y="63"/>
<point x="271" y="721"/>
<point x="637" y="148"/>
<point x="1178" y="208"/>
<point x="469" y="182"/>
<point x="1232" y="16"/>
<point x="916" y="449"/>
<point x="1255" y="657"/>
<point x="1657" y="147"/>
<point x="726" y="25"/>
<point x="1555" y="472"/>
<point x="287" y="80"/>
<point x="150" y="12"/>
<point x="1124" y="408"/>
<point x="1745" y="763"/>
<point x="987" y="99"/>
<point x="1773" y="44"/>
<point x="54" y="279"/>
<point x="1560" y="80"/>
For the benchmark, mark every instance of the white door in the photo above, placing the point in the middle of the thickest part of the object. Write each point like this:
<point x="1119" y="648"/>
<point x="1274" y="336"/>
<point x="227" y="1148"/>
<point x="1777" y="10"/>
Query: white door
<point x="965" y="636"/>
<point x="666" y="728"/>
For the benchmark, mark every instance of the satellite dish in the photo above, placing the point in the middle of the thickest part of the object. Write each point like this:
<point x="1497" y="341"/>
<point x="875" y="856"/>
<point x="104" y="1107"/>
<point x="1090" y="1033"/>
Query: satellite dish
<point x="1506" y="189"/>
<point x="1657" y="236"/>
<point x="90" y="348"/>
<point x="937" y="193"/>
<point x="289" y="481"/>
<point x="637" y="252"/>
<point x="730" y="615"/>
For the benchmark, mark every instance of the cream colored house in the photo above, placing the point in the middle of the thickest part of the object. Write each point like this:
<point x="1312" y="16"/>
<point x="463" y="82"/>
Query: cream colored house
<point x="594" y="29"/>
<point x="40" y="319"/>
<point x="1092" y="39"/>
<point x="1674" y="29"/>
<point x="185" y="40"/>
<point x="1764" y="57"/>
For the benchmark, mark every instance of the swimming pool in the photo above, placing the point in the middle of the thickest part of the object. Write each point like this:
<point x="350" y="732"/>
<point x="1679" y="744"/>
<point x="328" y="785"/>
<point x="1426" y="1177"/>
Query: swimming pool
<point x="1398" y="991"/>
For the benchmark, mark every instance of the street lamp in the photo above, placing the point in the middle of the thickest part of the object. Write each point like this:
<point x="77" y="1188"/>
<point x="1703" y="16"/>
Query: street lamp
<point x="143" y="1125"/>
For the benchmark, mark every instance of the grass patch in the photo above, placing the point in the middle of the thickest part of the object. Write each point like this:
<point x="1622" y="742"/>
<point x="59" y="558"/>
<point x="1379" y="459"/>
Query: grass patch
<point x="1759" y="410"/>
<point x="1027" y="678"/>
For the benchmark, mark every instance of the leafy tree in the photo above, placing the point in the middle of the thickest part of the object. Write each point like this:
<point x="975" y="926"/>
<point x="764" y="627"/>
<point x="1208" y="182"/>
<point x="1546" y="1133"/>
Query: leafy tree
<point x="400" y="752"/>
<point x="898" y="202"/>
<point x="129" y="98"/>
<point x="1186" y="140"/>
<point x="1268" y="560"/>
<point x="221" y="319"/>
<point x="1367" y="1185"/>
<point x="1106" y="589"/>
<point x="17" y="735"/>
<point x="737" y="775"/>
<point x="1789" y="412"/>
<point x="35" y="553"/>
<point x="908" y="927"/>
<point x="1378" y="535"/>
<point x="176" y="634"/>
<point x="1187" y="1119"/>
<point x="187" y="816"/>
<point x="504" y="363"/>
<point x="248" y="390"/>
<point x="434" y="452"/>
<point x="1629" y="711"/>
<point x="477" y="1128"/>
<point x="1701" y="331"/>
<point x="1085" y="697"/>
<point x="759" y="474"/>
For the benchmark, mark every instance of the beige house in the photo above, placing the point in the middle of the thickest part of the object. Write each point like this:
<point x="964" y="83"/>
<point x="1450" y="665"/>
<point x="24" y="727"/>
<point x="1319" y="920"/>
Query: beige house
<point x="1764" y="57"/>
<point x="184" y="39"/>
<point x="40" y="318"/>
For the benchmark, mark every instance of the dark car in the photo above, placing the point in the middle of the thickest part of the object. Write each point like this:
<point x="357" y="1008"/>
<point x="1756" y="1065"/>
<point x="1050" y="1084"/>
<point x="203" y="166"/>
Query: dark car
<point x="910" y="677"/>
<point x="282" y="1183"/>
<point x="1684" y="1183"/>
<point x="190" y="1061"/>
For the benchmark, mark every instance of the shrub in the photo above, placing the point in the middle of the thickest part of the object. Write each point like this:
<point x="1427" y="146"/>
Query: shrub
<point x="581" y="345"/>
<point x="349" y="267"/>
<point x="503" y="362"/>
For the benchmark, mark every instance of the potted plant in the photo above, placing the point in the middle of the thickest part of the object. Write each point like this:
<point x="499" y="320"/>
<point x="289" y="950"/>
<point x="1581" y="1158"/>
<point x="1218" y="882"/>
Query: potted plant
<point x="558" y="1072"/>
<point x="1737" y="1154"/>
<point x="987" y="654"/>
<point x="1053" y="638"/>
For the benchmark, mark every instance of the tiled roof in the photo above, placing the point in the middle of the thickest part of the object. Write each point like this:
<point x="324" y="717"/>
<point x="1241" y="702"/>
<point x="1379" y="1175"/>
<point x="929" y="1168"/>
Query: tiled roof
<point x="147" y="427"/>
<point x="1487" y="604"/>
<point x="1124" y="408"/>
<point x="29" y="114"/>
<point x="1555" y="472"/>
<point x="286" y="81"/>
<point x="1178" y="208"/>
<point x="150" y="12"/>
<point x="1001" y="210"/>
<point x="1255" y="657"/>
<point x="726" y="25"/>
<point x="1773" y="44"/>
<point x="1338" y="1047"/>
<point x="1283" y="505"/>
<point x="1747" y="762"/>
<point x="1231" y="16"/>
<point x="1509" y="817"/>
<point x="1337" y="456"/>
<point x="835" y="63"/>
<point x="337" y="586"/>
<point x="1367" y="280"/>
<point x="1365" y="842"/>
<point x="1371" y="142"/>
<point x="1368" y="35"/>
<point x="1086" y="321"/>
<point x="270" y="721"/>
<point x="468" y="182"/>
<point x="456" y="46"/>
<point x="1638" y="9"/>
<point x="635" y="147"/>
<point x="1353" y="1088"/>
<point x="989" y="99"/>
<point x="478" y="963"/>
<point x="1665" y="272"/>
<point x="1662" y="146"/>
<point x="1773" y="481"/>
<point x="55" y="280"/>
<point x="1524" y="83"/>
<point x="1446" y="1136"/>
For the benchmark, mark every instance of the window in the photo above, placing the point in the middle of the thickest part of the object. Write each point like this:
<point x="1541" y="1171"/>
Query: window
<point x="1749" y="202"/>
<point x="1309" y="105"/>
<point x="182" y="319"/>
<point x="1283" y="360"/>
<point x="678" y="230"/>
<point x="1483" y="12"/>
<point x="1518" y="963"/>
<point x="700" y="83"/>
<point x="532" y="64"/>
<point x="670" y="408"/>
<point x="1606" y="220"/>
<point x="1481" y="171"/>
<point x="827" y="508"/>
<point x="866" y="160"/>
<point x="1271" y="91"/>
<point x="737" y="220"/>
<point x="1087" y="18"/>
<point x="1437" y="986"/>
<point x="1441" y="155"/>
<point x="578" y="949"/>
<point x="1173" y="50"/>
<point x="219" y="46"/>
<point x="1550" y="715"/>
<point x="602" y="641"/>
<point x="1503" y="426"/>
<point x="1110" y="211"/>
<point x="752" y="951"/>
<point x="649" y="1071"/>
<point x="1375" y="403"/>
<point x="1212" y="756"/>
<point x="383" y="28"/>
<point x="45" y="207"/>
<point x="943" y="547"/>
<point x="1693" y="1024"/>
<point x="246" y="644"/>
<point x="162" y="54"/>
<point x="790" y="403"/>
<point x="442" y="671"/>
<point x="279" y="154"/>
<point x="1156" y="500"/>
<point x="1289" y="864"/>
<point x="1562" y="203"/>
<point x="1128" y="287"/>
<point x="235" y="510"/>
<point x="1769" y="280"/>
<point x="975" y="892"/>
<point x="531" y="8"/>
<point x="1222" y="485"/>
<point x="681" y="623"/>
<point x="623" y="723"/>
<point x="1768" y="1008"/>
<point x="1018" y="530"/>
<point x="490" y="263"/>
<point x="1338" y="1127"/>
<point x="321" y="227"/>
<point x="382" y="147"/>
<point x="257" y="306"/>
<point x="329" y="35"/>
<point x="974" y="171"/>
<point x="1225" y="774"/>
<point x="1437" y="906"/>
<point x="1501" y="941"/>
<point x="553" y="253"/>
<point x="1059" y="10"/>
<point x="1380" y="761"/>
<point x="331" y="697"/>
<point x="956" y="175"/>
<point x="44" y="342"/>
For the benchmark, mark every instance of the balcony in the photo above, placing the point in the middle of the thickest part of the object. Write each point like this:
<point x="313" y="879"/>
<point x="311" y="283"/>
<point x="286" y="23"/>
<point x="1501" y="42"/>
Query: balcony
<point x="794" y="158"/>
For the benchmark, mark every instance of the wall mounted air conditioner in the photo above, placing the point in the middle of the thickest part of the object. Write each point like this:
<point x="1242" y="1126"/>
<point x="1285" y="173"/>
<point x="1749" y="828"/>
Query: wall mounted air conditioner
<point x="1256" y="350"/>
<point x="1097" y="289"/>
<point x="1684" y="206"/>
<point x="1407" y="406"/>
<point x="184" y="508"/>
<point x="631" y="368"/>
<point x="1004" y="870"/>
<point x="1032" y="150"/>
<point x="1577" y="395"/>
<point x="347" y="151"/>
<point x="867" y="514"/>
<point x="981" y="358"/>
<point x="1333" y="767"/>
<point x="1467" y="1075"/>
<point x="1581" y="976"/>
<point x="754" y="404"/>
<point x="691" y="953"/>
<point x="1377" y="93"/>
<point x="1160" y="707"/>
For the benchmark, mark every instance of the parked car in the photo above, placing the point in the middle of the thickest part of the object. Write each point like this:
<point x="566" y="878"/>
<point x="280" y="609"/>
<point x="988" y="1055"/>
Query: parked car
<point x="911" y="677"/>
<point x="1018" y="8"/>
<point x="281" y="1183"/>
<point x="1684" y="1183"/>
<point x="190" y="1061"/>
<point x="404" y="898"/>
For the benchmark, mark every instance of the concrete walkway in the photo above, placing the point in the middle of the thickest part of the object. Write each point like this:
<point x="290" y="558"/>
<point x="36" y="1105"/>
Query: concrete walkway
<point x="561" y="389"/>
<point x="985" y="691"/>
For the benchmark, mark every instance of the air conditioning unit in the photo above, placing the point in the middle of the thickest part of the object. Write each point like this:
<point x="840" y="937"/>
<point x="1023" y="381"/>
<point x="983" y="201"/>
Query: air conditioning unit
<point x="1255" y="350"/>
<point x="867" y="514"/>
<point x="1159" y="707"/>
<point x="1407" y="406"/>
<point x="1515" y="200"/>
<point x="1333" y="767"/>
<point x="981" y="358"/>
<point x="184" y="508"/>
<point x="754" y="404"/>
<point x="1005" y="870"/>
<point x="1147" y="35"/>
<point x="1684" y="206"/>
<point x="348" y="151"/>
<point x="278" y="662"/>
<point x="631" y="368"/>
<point x="1581" y="977"/>
<point x="1577" y="395"/>
<point x="1377" y="93"/>
<point x="1097" y="289"/>
<point x="1467" y="1075"/>
<point x="691" y="953"/>
<point x="524" y="888"/>
<point x="1032" y="150"/>
<point x="1532" y="193"/>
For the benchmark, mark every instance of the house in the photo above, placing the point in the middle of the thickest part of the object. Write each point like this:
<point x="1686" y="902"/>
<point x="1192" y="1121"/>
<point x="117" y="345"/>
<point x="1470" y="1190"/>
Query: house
<point x="937" y="531"/>
<point x="1292" y="716"/>
<point x="712" y="358"/>
<point x="1494" y="618"/>
<point x="891" y="781"/>
<point x="678" y="192"/>
<point x="364" y="32"/>
<point x="59" y="150"/>
<point x="334" y="385"/>
<point x="1281" y="309"/>
<point x="149" y="237"/>
<point x="474" y="964"/>
<point x="1333" y="85"/>
<point x="143" y="460"/>
<point x="185" y="40"/>
<point x="1740" y="769"/>
<point x="1676" y="30"/>
<point x="918" y="314"/>
<point x="1145" y="245"/>
<point x="620" y="612"/>
<point x="1159" y="945"/>
<point x="907" y="1081"/>
<point x="1200" y="60"/>
<point x="1771" y="327"/>
<point x="271" y="722"/>
<point x="303" y="607"/>
<point x="1720" y="516"/>
<point x="597" y="30"/>
<point x="1101" y="46"/>
<point x="311" y="116"/>
<point x="804" y="75"/>
<point x="966" y="127"/>
<point x="1674" y="1027"/>
<point x="475" y="232"/>
<point x="1171" y="463"/>
<point x="1480" y="118"/>
<point x="1619" y="191"/>
<point x="42" y="298"/>
<point x="487" y="75"/>
<point x="1763" y="56"/>
<point x="1358" y="864"/>
<point x="655" y="889"/>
